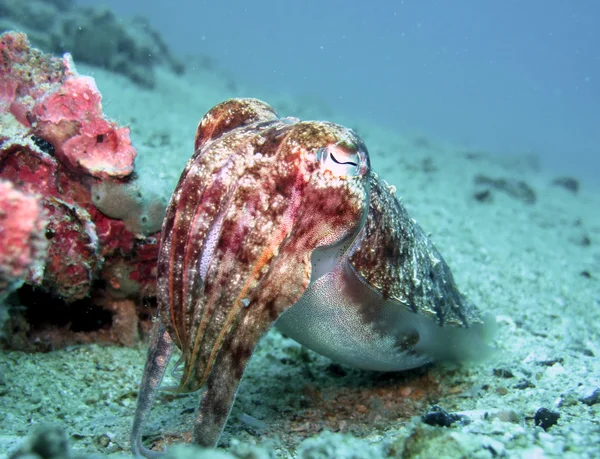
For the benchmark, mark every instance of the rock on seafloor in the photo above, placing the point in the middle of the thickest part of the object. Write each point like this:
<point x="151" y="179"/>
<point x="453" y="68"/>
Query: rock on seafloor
<point x="91" y="245"/>
<point x="94" y="35"/>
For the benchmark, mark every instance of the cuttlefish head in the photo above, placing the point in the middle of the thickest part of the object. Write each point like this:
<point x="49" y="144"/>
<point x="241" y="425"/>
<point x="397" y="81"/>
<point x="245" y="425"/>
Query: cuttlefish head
<point x="259" y="196"/>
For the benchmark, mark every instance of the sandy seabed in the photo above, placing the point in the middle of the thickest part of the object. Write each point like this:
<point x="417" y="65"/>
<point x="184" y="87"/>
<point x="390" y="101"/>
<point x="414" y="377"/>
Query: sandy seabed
<point x="533" y="266"/>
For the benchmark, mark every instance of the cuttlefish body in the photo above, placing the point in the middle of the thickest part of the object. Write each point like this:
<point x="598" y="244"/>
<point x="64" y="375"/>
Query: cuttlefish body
<point x="281" y="221"/>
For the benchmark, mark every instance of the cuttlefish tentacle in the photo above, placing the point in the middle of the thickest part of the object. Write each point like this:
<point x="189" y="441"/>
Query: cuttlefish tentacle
<point x="159" y="353"/>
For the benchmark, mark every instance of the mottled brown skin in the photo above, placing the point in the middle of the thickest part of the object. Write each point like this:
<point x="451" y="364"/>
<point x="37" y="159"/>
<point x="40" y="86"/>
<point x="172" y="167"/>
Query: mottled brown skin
<point x="274" y="212"/>
<point x="392" y="247"/>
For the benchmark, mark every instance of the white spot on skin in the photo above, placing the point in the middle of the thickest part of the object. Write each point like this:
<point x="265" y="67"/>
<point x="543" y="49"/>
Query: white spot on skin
<point x="416" y="279"/>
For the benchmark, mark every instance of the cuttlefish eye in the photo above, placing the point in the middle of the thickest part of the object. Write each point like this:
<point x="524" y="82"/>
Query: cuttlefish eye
<point x="341" y="161"/>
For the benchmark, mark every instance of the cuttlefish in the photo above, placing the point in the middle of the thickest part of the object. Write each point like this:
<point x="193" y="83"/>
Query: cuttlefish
<point x="281" y="221"/>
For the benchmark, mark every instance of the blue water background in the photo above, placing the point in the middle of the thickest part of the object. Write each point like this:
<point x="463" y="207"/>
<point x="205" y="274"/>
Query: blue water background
<point x="505" y="76"/>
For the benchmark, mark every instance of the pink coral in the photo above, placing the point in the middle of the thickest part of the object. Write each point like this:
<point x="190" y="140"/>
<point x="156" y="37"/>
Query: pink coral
<point x="55" y="147"/>
<point x="77" y="99"/>
<point x="65" y="109"/>
<point x="8" y="89"/>
<point x="22" y="242"/>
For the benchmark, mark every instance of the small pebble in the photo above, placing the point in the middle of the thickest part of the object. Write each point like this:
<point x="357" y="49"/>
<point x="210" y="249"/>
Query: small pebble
<point x="506" y="415"/>
<point x="524" y="384"/>
<point x="494" y="446"/>
<point x="102" y="441"/>
<point x="546" y="418"/>
<point x="584" y="241"/>
<point x="251" y="421"/>
<point x="550" y="362"/>
<point x="517" y="189"/>
<point x="483" y="195"/>
<point x="567" y="399"/>
<point x="503" y="373"/>
<point x="568" y="183"/>
<point x="437" y="416"/>
<point x="591" y="399"/>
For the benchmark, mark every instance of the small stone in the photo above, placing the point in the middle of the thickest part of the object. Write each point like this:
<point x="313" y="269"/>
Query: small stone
<point x="102" y="441"/>
<point x="584" y="241"/>
<point x="567" y="399"/>
<point x="483" y="195"/>
<point x="524" y="384"/>
<point x="428" y="165"/>
<point x="546" y="418"/>
<point x="502" y="390"/>
<point x="517" y="189"/>
<point x="591" y="399"/>
<point x="568" y="183"/>
<point x="505" y="416"/>
<point x="437" y="416"/>
<point x="503" y="373"/>
<point x="550" y="362"/>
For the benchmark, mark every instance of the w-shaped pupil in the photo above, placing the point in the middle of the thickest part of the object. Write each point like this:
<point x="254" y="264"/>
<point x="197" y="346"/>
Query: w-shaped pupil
<point x="335" y="160"/>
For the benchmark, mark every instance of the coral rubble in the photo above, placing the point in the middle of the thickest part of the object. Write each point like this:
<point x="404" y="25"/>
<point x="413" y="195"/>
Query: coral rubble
<point x="57" y="149"/>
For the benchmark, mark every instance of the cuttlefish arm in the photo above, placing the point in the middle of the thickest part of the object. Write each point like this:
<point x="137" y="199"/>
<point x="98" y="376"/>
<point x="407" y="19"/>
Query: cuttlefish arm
<point x="159" y="354"/>
<point x="258" y="196"/>
<point x="287" y="280"/>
